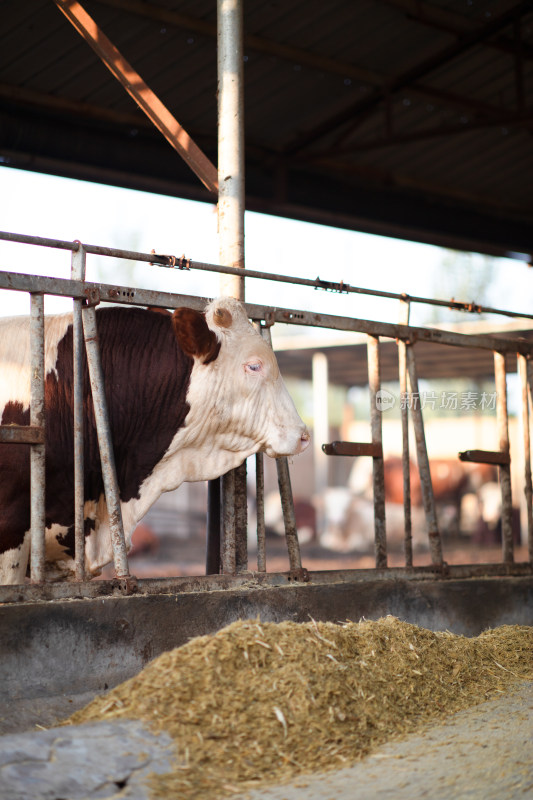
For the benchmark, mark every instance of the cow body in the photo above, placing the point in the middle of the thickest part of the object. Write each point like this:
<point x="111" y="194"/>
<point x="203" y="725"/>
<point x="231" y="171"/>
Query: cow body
<point x="190" y="396"/>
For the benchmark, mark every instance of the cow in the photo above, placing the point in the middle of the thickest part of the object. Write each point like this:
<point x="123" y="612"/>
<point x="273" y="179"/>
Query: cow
<point x="190" y="396"/>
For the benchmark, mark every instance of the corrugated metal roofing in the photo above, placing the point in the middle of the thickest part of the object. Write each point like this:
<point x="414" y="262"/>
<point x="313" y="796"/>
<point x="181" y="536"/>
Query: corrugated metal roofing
<point x="407" y="117"/>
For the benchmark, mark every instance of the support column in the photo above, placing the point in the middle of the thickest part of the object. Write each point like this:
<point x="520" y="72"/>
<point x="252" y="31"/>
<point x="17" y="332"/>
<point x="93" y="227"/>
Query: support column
<point x="231" y="237"/>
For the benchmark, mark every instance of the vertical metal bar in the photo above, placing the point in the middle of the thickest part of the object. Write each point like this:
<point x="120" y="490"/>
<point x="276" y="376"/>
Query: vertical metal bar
<point x="241" y="519"/>
<point x="406" y="460"/>
<point x="504" y="469"/>
<point x="212" y="561"/>
<point x="285" y="492"/>
<point x="103" y="430"/>
<point x="378" y="471"/>
<point x="228" y="555"/>
<point x="320" y="435"/>
<point x="530" y="395"/>
<point x="289" y="519"/>
<point x="230" y="65"/>
<point x="528" y="487"/>
<point x="260" y="509"/>
<point x="428" y="499"/>
<point x="37" y="452"/>
<point x="77" y="272"/>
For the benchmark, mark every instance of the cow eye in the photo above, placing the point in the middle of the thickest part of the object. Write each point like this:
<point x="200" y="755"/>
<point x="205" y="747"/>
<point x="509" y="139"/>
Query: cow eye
<point x="253" y="366"/>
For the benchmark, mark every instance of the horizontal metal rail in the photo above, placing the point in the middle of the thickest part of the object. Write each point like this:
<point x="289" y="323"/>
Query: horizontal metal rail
<point x="125" y="295"/>
<point x="180" y="262"/>
<point x="202" y="583"/>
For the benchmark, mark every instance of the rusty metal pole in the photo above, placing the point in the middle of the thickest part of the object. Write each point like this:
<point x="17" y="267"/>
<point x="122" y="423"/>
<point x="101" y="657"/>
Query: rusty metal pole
<point x="105" y="444"/>
<point x="378" y="472"/>
<point x="428" y="498"/>
<point x="289" y="519"/>
<point x="260" y="510"/>
<point x="231" y="201"/>
<point x="77" y="272"/>
<point x="37" y="452"/>
<point x="530" y="396"/>
<point x="405" y="308"/>
<point x="285" y="493"/>
<point x="504" y="470"/>
<point x="524" y="365"/>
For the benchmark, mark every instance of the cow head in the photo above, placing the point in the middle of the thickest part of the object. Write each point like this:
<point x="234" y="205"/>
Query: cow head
<point x="236" y="382"/>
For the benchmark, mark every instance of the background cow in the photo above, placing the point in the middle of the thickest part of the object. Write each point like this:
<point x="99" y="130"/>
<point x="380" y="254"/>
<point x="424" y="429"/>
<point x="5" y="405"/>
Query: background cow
<point x="190" y="396"/>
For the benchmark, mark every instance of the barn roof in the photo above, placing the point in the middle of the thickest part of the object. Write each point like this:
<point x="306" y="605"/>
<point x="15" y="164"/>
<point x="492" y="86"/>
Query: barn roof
<point x="347" y="356"/>
<point x="409" y="118"/>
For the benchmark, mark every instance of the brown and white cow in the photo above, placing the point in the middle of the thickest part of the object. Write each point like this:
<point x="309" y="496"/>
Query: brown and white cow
<point x="190" y="396"/>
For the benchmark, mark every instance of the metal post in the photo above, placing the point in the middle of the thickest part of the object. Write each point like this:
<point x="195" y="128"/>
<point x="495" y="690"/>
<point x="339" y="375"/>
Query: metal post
<point x="103" y="430"/>
<point x="231" y="233"/>
<point x="320" y="435"/>
<point x="428" y="498"/>
<point x="260" y="510"/>
<point x="228" y="548"/>
<point x="289" y="519"/>
<point x="285" y="491"/>
<point x="230" y="144"/>
<point x="523" y="365"/>
<point x="77" y="272"/>
<point x="405" y="308"/>
<point x="37" y="452"/>
<point x="378" y="472"/>
<point x="530" y="395"/>
<point x="504" y="469"/>
<point x="212" y="562"/>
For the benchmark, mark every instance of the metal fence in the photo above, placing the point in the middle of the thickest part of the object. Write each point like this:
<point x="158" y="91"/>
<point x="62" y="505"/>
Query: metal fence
<point x="87" y="295"/>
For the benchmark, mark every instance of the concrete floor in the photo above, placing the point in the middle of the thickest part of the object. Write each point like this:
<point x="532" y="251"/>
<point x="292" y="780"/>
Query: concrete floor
<point x="484" y="753"/>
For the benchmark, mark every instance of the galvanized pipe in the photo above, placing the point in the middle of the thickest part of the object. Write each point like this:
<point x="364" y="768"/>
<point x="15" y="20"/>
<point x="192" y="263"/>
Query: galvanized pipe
<point x="523" y="366"/>
<point x="77" y="272"/>
<point x="406" y="460"/>
<point x="260" y="512"/>
<point x="378" y="472"/>
<point x="37" y="452"/>
<point x="103" y="430"/>
<point x="320" y="379"/>
<point x="504" y="470"/>
<point x="146" y="297"/>
<point x="428" y="498"/>
<point x="176" y="262"/>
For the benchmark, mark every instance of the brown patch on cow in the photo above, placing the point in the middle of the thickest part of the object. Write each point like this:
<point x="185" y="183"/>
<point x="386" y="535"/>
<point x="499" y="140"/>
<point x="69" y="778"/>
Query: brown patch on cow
<point x="194" y="335"/>
<point x="222" y="317"/>
<point x="147" y="377"/>
<point x="157" y="310"/>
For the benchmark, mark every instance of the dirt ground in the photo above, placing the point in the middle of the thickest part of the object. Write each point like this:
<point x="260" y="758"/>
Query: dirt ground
<point x="168" y="556"/>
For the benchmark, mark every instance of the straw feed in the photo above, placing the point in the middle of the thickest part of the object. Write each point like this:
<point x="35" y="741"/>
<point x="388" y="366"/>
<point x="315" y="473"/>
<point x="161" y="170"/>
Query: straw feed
<point x="262" y="702"/>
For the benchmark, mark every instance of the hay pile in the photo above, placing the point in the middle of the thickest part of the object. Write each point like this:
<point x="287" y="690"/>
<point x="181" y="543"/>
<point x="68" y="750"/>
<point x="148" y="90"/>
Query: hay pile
<point x="259" y="702"/>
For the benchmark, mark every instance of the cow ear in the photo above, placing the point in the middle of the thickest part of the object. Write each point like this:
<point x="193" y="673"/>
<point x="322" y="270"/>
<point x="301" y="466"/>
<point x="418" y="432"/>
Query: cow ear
<point x="194" y="336"/>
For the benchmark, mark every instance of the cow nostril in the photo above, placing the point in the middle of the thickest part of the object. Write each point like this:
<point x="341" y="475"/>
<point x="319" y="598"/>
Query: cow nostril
<point x="305" y="438"/>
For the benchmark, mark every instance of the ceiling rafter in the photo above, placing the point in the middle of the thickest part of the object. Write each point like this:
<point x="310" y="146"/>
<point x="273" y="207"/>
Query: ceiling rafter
<point x="409" y="77"/>
<point x="288" y="52"/>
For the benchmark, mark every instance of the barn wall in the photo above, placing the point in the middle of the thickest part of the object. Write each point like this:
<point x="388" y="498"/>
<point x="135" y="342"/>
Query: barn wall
<point x="87" y="645"/>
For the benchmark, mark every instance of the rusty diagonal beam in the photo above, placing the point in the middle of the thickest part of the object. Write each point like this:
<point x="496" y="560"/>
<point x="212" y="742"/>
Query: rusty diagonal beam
<point x="145" y="98"/>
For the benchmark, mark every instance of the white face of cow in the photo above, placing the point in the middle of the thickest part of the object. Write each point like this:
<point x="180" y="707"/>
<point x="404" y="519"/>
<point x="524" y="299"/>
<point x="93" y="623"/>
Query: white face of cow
<point x="239" y="403"/>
